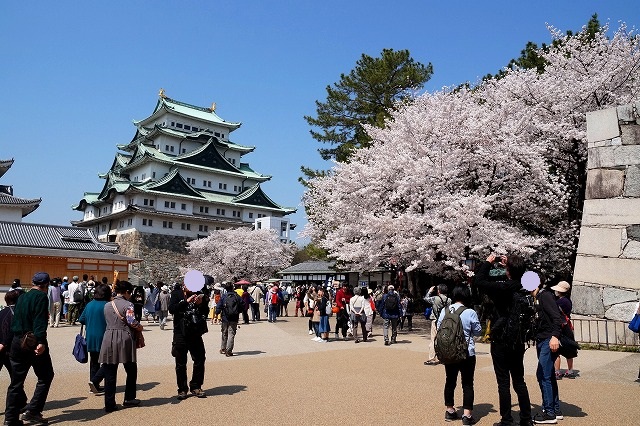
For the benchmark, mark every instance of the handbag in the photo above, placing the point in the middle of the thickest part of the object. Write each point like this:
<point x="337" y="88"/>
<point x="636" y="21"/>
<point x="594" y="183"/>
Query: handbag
<point x="29" y="342"/>
<point x="568" y="345"/>
<point x="80" y="348"/>
<point x="634" y="324"/>
<point x="138" y="337"/>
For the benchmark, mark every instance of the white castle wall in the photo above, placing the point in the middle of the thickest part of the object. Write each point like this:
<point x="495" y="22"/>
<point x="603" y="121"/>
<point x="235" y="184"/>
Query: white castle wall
<point x="606" y="280"/>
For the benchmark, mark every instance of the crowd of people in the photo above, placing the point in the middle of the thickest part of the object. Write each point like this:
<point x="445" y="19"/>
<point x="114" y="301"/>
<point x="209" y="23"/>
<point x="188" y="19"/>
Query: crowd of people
<point x="113" y="316"/>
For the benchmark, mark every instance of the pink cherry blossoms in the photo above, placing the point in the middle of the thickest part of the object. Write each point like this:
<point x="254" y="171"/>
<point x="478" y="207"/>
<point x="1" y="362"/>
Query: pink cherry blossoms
<point x="464" y="172"/>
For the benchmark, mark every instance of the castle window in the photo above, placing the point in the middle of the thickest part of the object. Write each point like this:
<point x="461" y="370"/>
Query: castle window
<point x="250" y="215"/>
<point x="129" y="222"/>
<point x="183" y="206"/>
<point x="171" y="148"/>
<point x="203" y="228"/>
<point x="220" y="212"/>
<point x="204" y="209"/>
<point x="185" y="226"/>
<point x="217" y="134"/>
<point x="173" y="124"/>
<point x="121" y="224"/>
<point x="179" y="125"/>
<point x="187" y="127"/>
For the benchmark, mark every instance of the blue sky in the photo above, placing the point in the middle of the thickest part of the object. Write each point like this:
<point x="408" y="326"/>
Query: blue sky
<point x="73" y="75"/>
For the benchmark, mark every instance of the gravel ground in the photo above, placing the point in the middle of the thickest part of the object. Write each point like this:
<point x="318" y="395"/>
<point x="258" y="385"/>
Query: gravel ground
<point x="280" y="377"/>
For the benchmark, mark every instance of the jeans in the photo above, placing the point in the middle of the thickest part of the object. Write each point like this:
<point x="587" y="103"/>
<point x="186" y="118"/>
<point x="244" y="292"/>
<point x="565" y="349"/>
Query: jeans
<point x="466" y="369"/>
<point x="96" y="371"/>
<point x="394" y="328"/>
<point x="194" y="346"/>
<point x="273" y="313"/>
<point x="110" y="379"/>
<point x="21" y="362"/>
<point x="508" y="366"/>
<point x="547" y="377"/>
<point x="228" y="335"/>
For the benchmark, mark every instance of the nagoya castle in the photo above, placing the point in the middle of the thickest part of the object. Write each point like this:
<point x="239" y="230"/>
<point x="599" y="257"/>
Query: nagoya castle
<point x="179" y="178"/>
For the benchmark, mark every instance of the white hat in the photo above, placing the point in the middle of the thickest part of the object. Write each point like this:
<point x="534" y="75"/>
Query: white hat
<point x="562" y="287"/>
<point x="391" y="287"/>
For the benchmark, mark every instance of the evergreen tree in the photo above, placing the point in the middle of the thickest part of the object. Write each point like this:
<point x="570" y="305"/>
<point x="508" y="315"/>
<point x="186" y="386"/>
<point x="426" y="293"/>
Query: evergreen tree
<point x="364" y="96"/>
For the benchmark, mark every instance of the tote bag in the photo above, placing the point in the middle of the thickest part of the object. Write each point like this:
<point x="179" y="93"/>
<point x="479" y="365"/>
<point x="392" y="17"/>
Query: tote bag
<point x="80" y="348"/>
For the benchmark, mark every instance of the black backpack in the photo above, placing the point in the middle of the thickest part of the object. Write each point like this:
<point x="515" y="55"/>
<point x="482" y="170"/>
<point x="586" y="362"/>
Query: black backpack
<point x="78" y="297"/>
<point x="233" y="305"/>
<point x="391" y="302"/>
<point x="519" y="327"/>
<point x="450" y="344"/>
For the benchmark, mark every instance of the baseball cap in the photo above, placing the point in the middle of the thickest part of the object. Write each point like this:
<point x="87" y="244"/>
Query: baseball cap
<point x="41" y="278"/>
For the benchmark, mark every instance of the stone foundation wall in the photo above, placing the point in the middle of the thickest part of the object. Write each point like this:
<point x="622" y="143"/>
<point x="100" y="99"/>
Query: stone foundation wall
<point x="162" y="256"/>
<point x="607" y="271"/>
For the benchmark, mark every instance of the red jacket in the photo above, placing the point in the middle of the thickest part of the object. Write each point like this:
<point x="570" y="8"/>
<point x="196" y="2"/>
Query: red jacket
<point x="342" y="294"/>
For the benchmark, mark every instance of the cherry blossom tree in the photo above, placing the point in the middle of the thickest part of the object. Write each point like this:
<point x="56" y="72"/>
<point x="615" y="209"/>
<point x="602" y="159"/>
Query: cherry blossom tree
<point x="240" y="253"/>
<point x="498" y="168"/>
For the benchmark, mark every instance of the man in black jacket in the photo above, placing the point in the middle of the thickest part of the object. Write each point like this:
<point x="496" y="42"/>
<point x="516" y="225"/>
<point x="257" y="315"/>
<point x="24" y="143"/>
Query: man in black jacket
<point x="507" y="357"/>
<point x="227" y="304"/>
<point x="189" y="312"/>
<point x="549" y="328"/>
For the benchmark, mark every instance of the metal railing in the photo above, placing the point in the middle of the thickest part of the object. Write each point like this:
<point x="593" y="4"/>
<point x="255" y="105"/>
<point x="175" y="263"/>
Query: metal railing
<point x="604" y="332"/>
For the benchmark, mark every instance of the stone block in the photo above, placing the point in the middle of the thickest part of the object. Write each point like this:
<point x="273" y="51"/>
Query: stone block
<point x="621" y="311"/>
<point x="611" y="211"/>
<point x="604" y="183"/>
<point x="631" y="250"/>
<point x="630" y="134"/>
<point x="607" y="271"/>
<point x="616" y="141"/>
<point x="613" y="296"/>
<point x="625" y="112"/>
<point x="602" y="125"/>
<point x="600" y="241"/>
<point x="632" y="182"/>
<point x="587" y="300"/>
<point x="633" y="232"/>
<point x="613" y="156"/>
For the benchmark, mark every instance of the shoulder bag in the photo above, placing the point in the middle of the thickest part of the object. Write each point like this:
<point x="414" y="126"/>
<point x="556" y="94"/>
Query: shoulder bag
<point x="80" y="347"/>
<point x="137" y="334"/>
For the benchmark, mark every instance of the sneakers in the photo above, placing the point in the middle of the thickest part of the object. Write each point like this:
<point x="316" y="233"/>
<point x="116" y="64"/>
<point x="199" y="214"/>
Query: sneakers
<point x="95" y="389"/>
<point x="317" y="339"/>
<point x="559" y="375"/>
<point x="223" y="351"/>
<point x="386" y="343"/>
<point x="112" y="409"/>
<point x="310" y="332"/>
<point x="34" y="418"/>
<point x="468" y="420"/>
<point x="229" y="353"/>
<point x="322" y="340"/>
<point x="198" y="393"/>
<point x="559" y="415"/>
<point x="570" y="374"/>
<point x="182" y="395"/>
<point x="448" y="417"/>
<point x="544" y="419"/>
<point x="131" y="402"/>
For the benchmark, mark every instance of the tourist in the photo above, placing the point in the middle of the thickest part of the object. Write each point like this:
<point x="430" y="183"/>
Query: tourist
<point x="357" y="314"/>
<point x="369" y="310"/>
<point x="189" y="310"/>
<point x="549" y="329"/>
<point x="390" y="312"/>
<point x="343" y="296"/>
<point x="246" y="302"/>
<point x="6" y="335"/>
<point x="30" y="348"/>
<point x="93" y="319"/>
<point x="164" y="298"/>
<point x="55" y="302"/>
<point x="323" y="323"/>
<point x="76" y="297"/>
<point x="437" y="301"/>
<point x="64" y="295"/>
<point x="137" y="299"/>
<point x="507" y="355"/>
<point x="309" y="307"/>
<point x="272" y="303"/>
<point x="406" y="304"/>
<point x="299" y="295"/>
<point x="257" y="295"/>
<point x="466" y="368"/>
<point x="564" y="303"/>
<point x="151" y="295"/>
<point x="230" y="305"/>
<point x="119" y="346"/>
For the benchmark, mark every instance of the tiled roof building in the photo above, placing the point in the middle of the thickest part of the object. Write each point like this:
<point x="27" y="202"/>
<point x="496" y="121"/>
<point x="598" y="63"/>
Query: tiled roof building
<point x="180" y="175"/>
<point x="12" y="208"/>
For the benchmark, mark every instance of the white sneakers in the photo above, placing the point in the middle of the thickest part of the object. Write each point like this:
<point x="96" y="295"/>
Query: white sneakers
<point x="310" y="332"/>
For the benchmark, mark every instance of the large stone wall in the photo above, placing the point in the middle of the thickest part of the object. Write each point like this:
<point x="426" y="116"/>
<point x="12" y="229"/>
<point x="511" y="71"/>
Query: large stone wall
<point x="162" y="256"/>
<point x="607" y="271"/>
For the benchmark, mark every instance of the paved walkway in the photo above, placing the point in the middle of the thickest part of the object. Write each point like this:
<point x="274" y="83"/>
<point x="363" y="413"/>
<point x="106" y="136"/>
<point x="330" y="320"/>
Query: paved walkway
<point x="281" y="377"/>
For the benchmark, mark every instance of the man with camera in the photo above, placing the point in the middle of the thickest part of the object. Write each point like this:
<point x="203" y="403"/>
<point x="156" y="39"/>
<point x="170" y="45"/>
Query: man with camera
<point x="507" y="354"/>
<point x="189" y="310"/>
